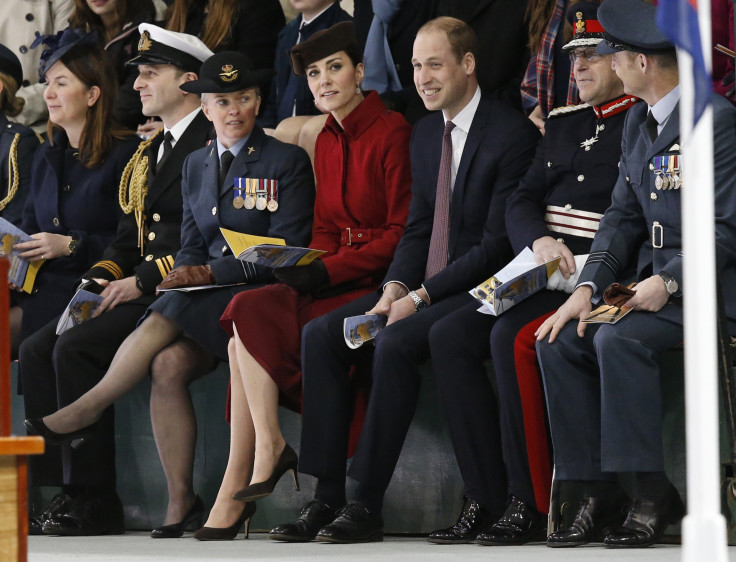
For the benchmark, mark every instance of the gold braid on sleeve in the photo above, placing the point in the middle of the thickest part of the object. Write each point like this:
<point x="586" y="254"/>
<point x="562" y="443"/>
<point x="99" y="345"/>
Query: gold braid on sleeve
<point x="13" y="175"/>
<point x="134" y="187"/>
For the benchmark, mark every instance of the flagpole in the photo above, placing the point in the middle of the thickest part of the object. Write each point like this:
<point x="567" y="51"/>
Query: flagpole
<point x="704" y="528"/>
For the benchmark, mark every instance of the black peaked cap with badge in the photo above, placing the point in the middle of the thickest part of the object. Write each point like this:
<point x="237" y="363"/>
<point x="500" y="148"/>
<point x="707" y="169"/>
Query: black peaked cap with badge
<point x="225" y="72"/>
<point x="631" y="26"/>
<point x="161" y="46"/>
<point x="339" y="37"/>
<point x="587" y="30"/>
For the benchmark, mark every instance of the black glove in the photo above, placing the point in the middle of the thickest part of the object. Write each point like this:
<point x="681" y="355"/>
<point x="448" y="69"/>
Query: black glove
<point x="304" y="278"/>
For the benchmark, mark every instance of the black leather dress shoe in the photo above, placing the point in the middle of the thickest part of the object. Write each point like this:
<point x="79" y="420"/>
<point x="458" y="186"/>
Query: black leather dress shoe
<point x="57" y="506"/>
<point x="354" y="523"/>
<point x="313" y="516"/>
<point x="646" y="521"/>
<point x="594" y="519"/>
<point x="92" y="513"/>
<point x="471" y="521"/>
<point x="519" y="524"/>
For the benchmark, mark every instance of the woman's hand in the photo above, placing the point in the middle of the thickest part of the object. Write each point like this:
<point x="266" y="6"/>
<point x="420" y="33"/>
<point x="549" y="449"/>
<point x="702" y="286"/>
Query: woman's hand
<point x="44" y="246"/>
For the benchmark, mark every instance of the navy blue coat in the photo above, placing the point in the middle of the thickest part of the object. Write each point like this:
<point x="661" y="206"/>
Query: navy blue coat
<point x="67" y="198"/>
<point x="497" y="153"/>
<point x="209" y="206"/>
<point x="282" y="64"/>
<point x="12" y="210"/>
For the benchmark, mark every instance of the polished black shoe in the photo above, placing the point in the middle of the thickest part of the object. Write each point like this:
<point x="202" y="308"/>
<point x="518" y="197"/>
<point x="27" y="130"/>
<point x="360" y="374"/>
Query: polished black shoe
<point x="191" y="522"/>
<point x="593" y="521"/>
<point x="313" y="516"/>
<point x="287" y="461"/>
<point x="36" y="426"/>
<point x="57" y="506"/>
<point x="646" y="521"/>
<point x="228" y="533"/>
<point x="354" y="523"/>
<point x="519" y="524"/>
<point x="92" y="513"/>
<point x="472" y="520"/>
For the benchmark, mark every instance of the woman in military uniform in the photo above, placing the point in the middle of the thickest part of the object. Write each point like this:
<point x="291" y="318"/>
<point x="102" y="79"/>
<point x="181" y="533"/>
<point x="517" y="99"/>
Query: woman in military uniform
<point x="72" y="211"/>
<point x="17" y="145"/>
<point x="363" y="172"/>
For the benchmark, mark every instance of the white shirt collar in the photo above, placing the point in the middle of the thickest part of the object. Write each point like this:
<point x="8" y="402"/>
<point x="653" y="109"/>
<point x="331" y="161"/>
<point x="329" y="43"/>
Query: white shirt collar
<point x="664" y="107"/>
<point x="178" y="130"/>
<point x="307" y="22"/>
<point x="464" y="119"/>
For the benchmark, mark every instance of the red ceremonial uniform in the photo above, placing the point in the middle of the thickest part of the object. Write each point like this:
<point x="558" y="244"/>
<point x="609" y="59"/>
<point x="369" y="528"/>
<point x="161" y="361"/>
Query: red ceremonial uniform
<point x="363" y="189"/>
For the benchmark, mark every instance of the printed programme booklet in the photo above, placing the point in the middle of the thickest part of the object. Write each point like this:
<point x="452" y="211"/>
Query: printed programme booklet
<point x="269" y="252"/>
<point x="518" y="280"/>
<point x="21" y="273"/>
<point x="80" y="309"/>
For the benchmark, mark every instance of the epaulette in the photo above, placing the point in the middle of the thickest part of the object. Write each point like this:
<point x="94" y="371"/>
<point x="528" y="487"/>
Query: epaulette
<point x="567" y="109"/>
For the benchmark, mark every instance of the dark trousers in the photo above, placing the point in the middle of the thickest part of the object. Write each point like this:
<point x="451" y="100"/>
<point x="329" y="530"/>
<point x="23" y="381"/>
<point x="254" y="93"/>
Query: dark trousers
<point x="513" y="436"/>
<point x="56" y="370"/>
<point x="604" y="396"/>
<point x="326" y="363"/>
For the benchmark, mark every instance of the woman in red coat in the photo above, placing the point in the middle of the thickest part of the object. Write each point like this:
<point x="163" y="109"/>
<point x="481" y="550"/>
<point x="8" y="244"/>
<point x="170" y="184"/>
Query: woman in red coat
<point x="363" y="189"/>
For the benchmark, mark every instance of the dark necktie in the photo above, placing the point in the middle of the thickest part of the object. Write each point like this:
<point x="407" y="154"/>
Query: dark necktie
<point x="168" y="147"/>
<point x="438" y="243"/>
<point x="225" y="160"/>
<point x="652" y="126"/>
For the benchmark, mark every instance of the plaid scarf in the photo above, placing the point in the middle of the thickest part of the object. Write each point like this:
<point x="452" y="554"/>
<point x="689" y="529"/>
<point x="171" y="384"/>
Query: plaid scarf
<point x="537" y="88"/>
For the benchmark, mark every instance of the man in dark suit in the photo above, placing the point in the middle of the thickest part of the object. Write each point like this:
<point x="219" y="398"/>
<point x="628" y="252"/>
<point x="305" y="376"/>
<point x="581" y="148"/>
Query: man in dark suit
<point x="454" y="237"/>
<point x="58" y="370"/>
<point x="290" y="94"/>
<point x="603" y="380"/>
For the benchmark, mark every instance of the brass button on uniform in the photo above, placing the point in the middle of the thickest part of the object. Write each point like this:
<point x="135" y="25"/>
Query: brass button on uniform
<point x="151" y="235"/>
<point x="214" y="211"/>
<point x="67" y="188"/>
<point x="149" y="257"/>
<point x="568" y="207"/>
<point x="156" y="217"/>
<point x="653" y="196"/>
<point x="581" y="177"/>
<point x="56" y="221"/>
<point x="549" y="164"/>
<point x="224" y="249"/>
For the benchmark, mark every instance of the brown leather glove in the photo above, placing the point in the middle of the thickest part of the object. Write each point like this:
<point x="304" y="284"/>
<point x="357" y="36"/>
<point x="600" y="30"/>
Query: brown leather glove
<point x="187" y="276"/>
<point x="617" y="294"/>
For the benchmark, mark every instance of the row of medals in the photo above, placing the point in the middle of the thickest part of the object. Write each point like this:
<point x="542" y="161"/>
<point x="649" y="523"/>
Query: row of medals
<point x="667" y="170"/>
<point x="260" y="203"/>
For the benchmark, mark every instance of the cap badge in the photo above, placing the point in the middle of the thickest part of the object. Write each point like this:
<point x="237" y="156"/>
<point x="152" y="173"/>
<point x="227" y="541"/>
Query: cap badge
<point x="145" y="43"/>
<point x="580" y="24"/>
<point x="228" y="74"/>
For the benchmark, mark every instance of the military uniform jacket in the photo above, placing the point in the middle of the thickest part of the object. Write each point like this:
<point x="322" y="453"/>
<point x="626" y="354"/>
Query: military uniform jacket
<point x="209" y="206"/>
<point x="17" y="147"/>
<point x="163" y="217"/>
<point x="645" y="221"/>
<point x="568" y="186"/>
<point x="488" y="173"/>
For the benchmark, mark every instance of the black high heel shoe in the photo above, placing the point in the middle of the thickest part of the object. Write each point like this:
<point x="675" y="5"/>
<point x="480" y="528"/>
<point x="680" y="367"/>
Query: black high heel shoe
<point x="287" y="461"/>
<point x="36" y="426"/>
<point x="192" y="520"/>
<point x="228" y="533"/>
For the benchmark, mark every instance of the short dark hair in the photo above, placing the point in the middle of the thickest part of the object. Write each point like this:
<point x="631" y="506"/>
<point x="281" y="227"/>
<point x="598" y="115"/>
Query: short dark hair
<point x="460" y="35"/>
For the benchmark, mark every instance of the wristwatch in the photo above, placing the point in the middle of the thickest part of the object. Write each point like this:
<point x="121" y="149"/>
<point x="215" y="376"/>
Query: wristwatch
<point x="73" y="243"/>
<point x="419" y="303"/>
<point x="669" y="283"/>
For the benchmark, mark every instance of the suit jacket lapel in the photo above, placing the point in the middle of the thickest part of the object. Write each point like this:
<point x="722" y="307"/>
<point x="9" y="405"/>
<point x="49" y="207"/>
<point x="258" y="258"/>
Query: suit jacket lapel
<point x="670" y="133"/>
<point x="251" y="152"/>
<point x="475" y="136"/>
<point x="170" y="171"/>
